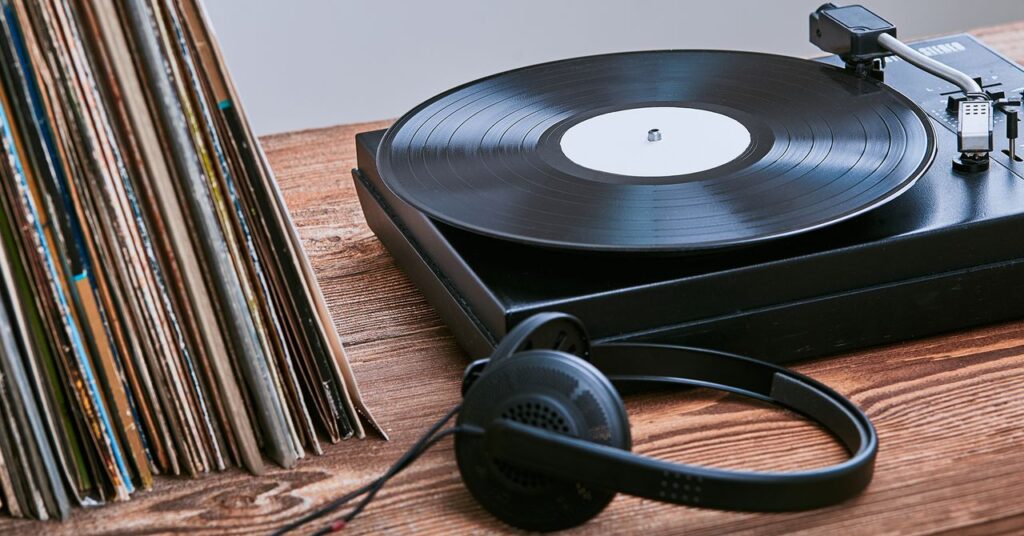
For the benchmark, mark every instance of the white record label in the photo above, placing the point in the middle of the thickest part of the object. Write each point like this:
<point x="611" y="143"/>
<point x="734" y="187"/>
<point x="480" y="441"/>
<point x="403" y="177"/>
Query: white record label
<point x="622" y="142"/>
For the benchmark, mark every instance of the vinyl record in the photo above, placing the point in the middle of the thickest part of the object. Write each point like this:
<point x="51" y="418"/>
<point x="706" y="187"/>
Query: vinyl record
<point x="672" y="151"/>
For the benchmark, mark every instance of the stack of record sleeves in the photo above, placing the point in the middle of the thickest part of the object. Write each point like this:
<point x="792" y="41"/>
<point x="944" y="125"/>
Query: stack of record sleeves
<point x="157" y="312"/>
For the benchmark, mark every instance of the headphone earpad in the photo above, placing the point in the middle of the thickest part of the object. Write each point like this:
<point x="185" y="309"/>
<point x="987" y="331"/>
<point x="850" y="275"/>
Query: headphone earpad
<point x="551" y="390"/>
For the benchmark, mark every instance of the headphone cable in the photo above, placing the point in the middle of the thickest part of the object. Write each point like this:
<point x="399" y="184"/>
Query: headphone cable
<point x="427" y="440"/>
<point x="379" y="484"/>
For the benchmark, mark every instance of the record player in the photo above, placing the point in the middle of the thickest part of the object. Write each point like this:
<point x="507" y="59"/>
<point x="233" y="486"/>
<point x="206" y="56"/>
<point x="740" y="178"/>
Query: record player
<point x="757" y="204"/>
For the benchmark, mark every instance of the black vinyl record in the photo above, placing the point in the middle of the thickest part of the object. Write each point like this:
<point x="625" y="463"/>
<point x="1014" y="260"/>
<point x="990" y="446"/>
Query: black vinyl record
<point x="758" y="147"/>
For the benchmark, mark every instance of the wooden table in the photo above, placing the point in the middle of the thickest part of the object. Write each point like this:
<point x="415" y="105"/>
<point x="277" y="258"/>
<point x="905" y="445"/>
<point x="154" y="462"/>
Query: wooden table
<point x="949" y="410"/>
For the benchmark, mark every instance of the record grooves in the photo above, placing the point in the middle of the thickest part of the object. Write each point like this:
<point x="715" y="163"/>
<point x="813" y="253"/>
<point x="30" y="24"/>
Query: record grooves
<point x="824" y="146"/>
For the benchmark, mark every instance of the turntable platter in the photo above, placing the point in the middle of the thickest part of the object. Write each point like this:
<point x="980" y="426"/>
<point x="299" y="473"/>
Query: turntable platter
<point x="671" y="151"/>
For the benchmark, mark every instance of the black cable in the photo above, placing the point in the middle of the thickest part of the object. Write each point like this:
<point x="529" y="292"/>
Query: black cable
<point x="379" y="484"/>
<point x="426" y="440"/>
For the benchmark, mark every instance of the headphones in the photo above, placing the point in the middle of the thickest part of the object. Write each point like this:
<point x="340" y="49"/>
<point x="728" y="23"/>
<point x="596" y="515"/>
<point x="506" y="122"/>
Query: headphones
<point x="542" y="439"/>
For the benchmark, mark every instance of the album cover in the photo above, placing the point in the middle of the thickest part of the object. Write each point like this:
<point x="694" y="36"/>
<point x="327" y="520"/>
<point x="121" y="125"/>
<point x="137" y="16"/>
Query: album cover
<point x="157" y="313"/>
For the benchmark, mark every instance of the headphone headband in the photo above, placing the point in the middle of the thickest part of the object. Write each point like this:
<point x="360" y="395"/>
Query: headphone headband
<point x="615" y="469"/>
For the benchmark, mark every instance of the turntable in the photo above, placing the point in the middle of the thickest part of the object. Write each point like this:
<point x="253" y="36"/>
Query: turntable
<point x="758" y="204"/>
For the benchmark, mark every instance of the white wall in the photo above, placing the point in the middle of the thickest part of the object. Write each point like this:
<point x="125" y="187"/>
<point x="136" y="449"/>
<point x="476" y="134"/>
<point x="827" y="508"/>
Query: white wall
<point x="309" y="63"/>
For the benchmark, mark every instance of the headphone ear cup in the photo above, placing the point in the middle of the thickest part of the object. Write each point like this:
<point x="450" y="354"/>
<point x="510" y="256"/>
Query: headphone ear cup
<point x="551" y="331"/>
<point x="551" y="390"/>
<point x="545" y="331"/>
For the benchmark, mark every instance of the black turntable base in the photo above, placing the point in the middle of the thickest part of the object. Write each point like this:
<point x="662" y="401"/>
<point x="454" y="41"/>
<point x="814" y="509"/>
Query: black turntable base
<point x="920" y="255"/>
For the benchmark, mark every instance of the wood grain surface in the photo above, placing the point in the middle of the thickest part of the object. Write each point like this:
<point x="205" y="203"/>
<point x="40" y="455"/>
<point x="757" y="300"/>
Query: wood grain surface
<point x="949" y="410"/>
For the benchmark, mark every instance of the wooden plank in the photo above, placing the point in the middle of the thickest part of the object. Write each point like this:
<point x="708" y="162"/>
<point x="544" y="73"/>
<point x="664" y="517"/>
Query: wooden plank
<point x="948" y="410"/>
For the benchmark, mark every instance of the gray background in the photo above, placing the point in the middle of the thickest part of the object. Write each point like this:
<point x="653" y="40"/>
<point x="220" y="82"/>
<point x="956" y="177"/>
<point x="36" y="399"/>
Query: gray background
<point x="309" y="63"/>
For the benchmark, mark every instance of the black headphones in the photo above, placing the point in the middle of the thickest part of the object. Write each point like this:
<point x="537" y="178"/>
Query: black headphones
<point x="545" y="442"/>
<point x="542" y="439"/>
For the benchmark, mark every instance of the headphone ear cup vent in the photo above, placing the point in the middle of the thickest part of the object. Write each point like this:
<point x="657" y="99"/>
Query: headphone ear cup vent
<point x="538" y="413"/>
